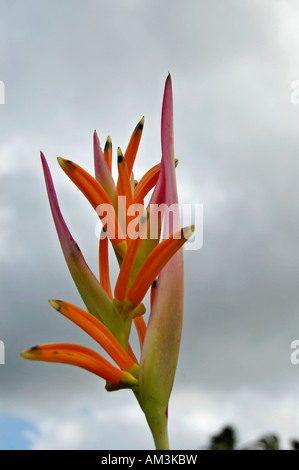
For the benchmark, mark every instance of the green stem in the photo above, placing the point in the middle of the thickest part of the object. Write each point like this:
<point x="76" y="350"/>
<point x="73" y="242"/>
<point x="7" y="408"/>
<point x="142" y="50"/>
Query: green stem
<point x="157" y="421"/>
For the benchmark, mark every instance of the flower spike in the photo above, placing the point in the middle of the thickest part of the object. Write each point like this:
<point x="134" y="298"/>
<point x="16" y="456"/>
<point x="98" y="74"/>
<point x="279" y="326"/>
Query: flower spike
<point x="148" y="248"/>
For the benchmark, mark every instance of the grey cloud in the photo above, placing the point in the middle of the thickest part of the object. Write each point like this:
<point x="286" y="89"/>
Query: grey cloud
<point x="70" y="68"/>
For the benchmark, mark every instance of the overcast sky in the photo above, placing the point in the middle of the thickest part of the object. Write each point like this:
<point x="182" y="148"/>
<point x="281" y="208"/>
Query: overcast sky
<point x="73" y="66"/>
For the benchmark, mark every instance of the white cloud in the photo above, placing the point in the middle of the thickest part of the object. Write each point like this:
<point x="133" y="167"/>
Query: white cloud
<point x="194" y="416"/>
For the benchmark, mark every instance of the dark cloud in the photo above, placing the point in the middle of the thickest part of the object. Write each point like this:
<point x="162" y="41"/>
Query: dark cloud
<point x="69" y="68"/>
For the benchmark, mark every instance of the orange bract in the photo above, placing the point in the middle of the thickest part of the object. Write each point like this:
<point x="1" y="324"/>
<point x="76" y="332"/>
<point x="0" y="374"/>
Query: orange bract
<point x="75" y="355"/>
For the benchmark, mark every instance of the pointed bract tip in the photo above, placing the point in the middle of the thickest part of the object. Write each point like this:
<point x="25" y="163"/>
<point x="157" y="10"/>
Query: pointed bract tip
<point x="95" y="135"/>
<point x="63" y="162"/>
<point x="140" y="125"/>
<point x="55" y="304"/>
<point x="24" y="354"/>
<point x="188" y="231"/>
<point x="176" y="162"/>
<point x="120" y="156"/>
<point x="108" y="144"/>
<point x="43" y="159"/>
<point x="27" y="353"/>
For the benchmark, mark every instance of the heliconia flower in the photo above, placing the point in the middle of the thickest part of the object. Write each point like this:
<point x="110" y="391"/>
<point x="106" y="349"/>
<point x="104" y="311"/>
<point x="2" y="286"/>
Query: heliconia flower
<point x="145" y="262"/>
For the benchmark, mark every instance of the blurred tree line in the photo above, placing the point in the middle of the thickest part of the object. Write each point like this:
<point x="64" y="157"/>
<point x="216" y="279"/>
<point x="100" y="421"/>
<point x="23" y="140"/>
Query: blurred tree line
<point x="226" y="440"/>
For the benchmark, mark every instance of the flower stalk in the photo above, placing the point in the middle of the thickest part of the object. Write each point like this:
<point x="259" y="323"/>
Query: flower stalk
<point x="145" y="262"/>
